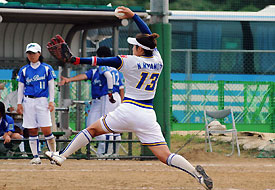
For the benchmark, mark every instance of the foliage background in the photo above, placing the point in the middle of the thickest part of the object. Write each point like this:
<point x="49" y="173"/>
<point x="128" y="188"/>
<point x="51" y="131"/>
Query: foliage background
<point x="194" y="5"/>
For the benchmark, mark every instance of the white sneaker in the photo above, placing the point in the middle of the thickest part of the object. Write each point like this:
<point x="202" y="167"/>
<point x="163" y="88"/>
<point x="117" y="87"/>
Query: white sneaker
<point x="115" y="155"/>
<point x="100" y="157"/>
<point x="24" y="155"/>
<point x="204" y="179"/>
<point x="35" y="161"/>
<point x="52" y="162"/>
<point x="10" y="153"/>
<point x="54" y="156"/>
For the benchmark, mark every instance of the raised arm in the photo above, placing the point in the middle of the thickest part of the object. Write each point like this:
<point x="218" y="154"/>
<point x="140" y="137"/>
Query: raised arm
<point x="115" y="61"/>
<point x="130" y="14"/>
<point x="60" y="50"/>
<point x="106" y="61"/>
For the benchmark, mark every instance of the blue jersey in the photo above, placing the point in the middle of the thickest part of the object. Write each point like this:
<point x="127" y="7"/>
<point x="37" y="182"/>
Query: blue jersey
<point x="117" y="79"/>
<point x="121" y="79"/>
<point x="6" y="125"/>
<point x="36" y="80"/>
<point x="99" y="82"/>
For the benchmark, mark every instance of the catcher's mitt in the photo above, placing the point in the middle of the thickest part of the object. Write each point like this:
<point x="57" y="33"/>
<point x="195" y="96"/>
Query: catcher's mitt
<point x="60" y="50"/>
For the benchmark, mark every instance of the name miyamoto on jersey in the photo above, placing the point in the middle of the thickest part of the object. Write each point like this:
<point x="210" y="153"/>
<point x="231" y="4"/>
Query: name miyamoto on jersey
<point x="154" y="66"/>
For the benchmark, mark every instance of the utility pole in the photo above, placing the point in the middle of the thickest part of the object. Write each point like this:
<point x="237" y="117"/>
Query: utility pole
<point x="159" y="11"/>
<point x="160" y="24"/>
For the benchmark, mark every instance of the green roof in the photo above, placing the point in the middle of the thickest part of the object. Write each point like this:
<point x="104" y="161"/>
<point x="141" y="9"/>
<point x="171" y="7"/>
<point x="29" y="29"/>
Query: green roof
<point x="66" y="6"/>
<point x="10" y="4"/>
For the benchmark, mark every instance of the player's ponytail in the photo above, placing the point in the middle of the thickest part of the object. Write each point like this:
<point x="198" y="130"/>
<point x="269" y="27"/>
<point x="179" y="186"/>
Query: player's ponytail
<point x="153" y="37"/>
<point x="148" y="40"/>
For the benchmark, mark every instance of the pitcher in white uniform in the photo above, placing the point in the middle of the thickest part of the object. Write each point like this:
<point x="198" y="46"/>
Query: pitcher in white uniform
<point x="136" y="114"/>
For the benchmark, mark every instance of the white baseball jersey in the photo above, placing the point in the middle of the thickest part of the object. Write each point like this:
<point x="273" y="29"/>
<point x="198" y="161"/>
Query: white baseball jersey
<point x="136" y="113"/>
<point x="141" y="75"/>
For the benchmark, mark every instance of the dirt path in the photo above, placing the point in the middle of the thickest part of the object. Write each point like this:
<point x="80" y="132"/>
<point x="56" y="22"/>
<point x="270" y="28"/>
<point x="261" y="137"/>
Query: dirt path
<point x="228" y="174"/>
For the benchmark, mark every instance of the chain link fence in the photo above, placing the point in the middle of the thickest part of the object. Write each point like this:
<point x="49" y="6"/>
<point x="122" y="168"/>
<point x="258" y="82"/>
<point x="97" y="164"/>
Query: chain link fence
<point x="252" y="103"/>
<point x="261" y="62"/>
<point x="215" y="79"/>
<point x="83" y="89"/>
<point x="11" y="85"/>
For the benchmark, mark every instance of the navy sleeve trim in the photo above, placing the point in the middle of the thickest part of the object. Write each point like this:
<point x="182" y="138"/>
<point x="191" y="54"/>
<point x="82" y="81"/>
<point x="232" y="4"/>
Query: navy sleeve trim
<point x="86" y="60"/>
<point x="141" y="25"/>
<point x="115" y="62"/>
<point x="109" y="61"/>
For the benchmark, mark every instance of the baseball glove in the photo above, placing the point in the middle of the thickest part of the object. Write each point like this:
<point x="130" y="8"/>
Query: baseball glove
<point x="111" y="98"/>
<point x="60" y="50"/>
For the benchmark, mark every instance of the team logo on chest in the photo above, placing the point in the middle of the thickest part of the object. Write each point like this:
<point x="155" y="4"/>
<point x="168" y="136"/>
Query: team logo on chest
<point x="35" y="78"/>
<point x="97" y="82"/>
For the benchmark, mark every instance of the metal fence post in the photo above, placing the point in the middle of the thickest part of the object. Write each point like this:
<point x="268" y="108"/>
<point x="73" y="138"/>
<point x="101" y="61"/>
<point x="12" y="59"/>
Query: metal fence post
<point x="188" y="65"/>
<point x="245" y="103"/>
<point x="221" y="94"/>
<point x="159" y="12"/>
<point x="272" y="105"/>
<point x="188" y="77"/>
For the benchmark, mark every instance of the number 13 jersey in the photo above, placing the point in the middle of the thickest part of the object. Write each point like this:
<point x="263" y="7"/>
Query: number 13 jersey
<point x="141" y="75"/>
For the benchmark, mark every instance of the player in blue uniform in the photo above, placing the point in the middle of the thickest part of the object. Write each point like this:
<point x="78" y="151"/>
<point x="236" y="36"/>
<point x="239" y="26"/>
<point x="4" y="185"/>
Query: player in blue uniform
<point x="36" y="84"/>
<point x="141" y="72"/>
<point x="105" y="88"/>
<point x="7" y="132"/>
<point x="100" y="104"/>
<point x="10" y="102"/>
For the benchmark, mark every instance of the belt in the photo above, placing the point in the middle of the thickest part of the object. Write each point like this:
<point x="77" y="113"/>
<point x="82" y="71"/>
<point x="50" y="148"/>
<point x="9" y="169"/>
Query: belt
<point x="148" y="104"/>
<point x="98" y="98"/>
<point x="31" y="96"/>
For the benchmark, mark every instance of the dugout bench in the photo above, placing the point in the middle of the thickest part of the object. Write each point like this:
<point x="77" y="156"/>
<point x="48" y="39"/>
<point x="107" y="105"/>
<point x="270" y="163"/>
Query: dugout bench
<point x="62" y="143"/>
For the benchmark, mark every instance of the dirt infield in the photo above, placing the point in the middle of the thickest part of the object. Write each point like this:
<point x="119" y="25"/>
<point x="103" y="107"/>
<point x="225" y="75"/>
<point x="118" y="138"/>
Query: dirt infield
<point x="228" y="173"/>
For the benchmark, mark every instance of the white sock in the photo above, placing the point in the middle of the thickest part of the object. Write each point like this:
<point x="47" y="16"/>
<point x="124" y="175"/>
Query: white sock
<point x="80" y="140"/>
<point x="109" y="145"/>
<point x="21" y="145"/>
<point x="117" y="137"/>
<point x="100" y="149"/>
<point x="33" y="141"/>
<point x="181" y="163"/>
<point x="50" y="141"/>
<point x="101" y="145"/>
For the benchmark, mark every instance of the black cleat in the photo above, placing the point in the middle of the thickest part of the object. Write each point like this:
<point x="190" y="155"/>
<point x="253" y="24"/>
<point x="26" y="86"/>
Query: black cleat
<point x="204" y="179"/>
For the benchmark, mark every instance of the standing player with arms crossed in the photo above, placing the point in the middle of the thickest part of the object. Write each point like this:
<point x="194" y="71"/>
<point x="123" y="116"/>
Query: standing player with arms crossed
<point x="36" y="84"/>
<point x="141" y="72"/>
<point x="105" y="89"/>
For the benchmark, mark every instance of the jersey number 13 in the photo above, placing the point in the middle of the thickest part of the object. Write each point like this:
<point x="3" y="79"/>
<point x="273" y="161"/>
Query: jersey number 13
<point x="153" y="77"/>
